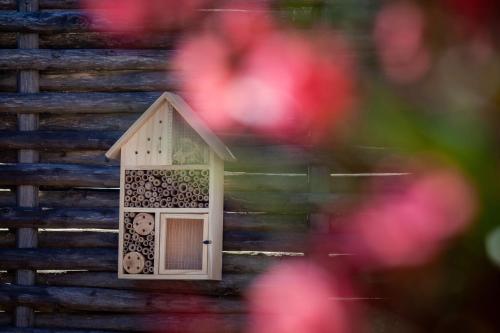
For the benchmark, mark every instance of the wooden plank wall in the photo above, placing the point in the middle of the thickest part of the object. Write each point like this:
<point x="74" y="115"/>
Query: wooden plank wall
<point x="92" y="86"/>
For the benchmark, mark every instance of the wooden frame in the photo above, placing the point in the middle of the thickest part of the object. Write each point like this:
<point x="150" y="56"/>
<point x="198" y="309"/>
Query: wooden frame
<point x="163" y="235"/>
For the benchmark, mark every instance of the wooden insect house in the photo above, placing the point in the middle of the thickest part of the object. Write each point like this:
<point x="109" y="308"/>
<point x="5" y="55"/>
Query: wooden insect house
<point x="171" y="194"/>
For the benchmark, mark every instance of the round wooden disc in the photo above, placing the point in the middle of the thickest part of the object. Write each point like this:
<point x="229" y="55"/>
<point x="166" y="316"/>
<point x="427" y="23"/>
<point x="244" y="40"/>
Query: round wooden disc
<point x="144" y="223"/>
<point x="133" y="262"/>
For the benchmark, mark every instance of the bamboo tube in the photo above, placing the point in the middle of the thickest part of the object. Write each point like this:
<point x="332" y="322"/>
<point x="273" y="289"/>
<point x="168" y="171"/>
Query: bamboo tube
<point x="145" y="251"/>
<point x="131" y="214"/>
<point x="137" y="178"/>
<point x="156" y="205"/>
<point x="132" y="247"/>
<point x="134" y="186"/>
<point x="186" y="179"/>
<point x="126" y="236"/>
<point x="206" y="205"/>
<point x="183" y="187"/>
<point x="129" y="192"/>
<point x="180" y="204"/>
<point x="146" y="204"/>
<point x="147" y="194"/>
<point x="140" y="172"/>
<point x="169" y="187"/>
<point x="151" y="270"/>
<point x="200" y="205"/>
<point x="164" y="184"/>
<point x="151" y="256"/>
<point x="193" y="204"/>
<point x="151" y="200"/>
<point x="133" y="198"/>
<point x="200" y="197"/>
<point x="142" y="183"/>
<point x="196" y="191"/>
<point x="205" y="198"/>
<point x="148" y="185"/>
<point x="170" y="205"/>
<point x="128" y="179"/>
<point x="204" y="173"/>
<point x="141" y="190"/>
<point x="155" y="172"/>
<point x="163" y="203"/>
<point x="156" y="182"/>
<point x="181" y="196"/>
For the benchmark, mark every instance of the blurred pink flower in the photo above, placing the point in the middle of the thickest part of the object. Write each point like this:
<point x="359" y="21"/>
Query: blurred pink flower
<point x="399" y="35"/>
<point x="138" y="15"/>
<point x="273" y="81"/>
<point x="295" y="297"/>
<point x="409" y="228"/>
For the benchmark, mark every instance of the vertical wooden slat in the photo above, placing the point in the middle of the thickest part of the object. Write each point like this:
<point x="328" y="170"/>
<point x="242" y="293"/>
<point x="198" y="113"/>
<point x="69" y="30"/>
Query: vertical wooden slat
<point x="27" y="195"/>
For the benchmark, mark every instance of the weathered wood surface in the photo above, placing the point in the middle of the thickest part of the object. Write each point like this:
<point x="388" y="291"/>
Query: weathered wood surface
<point x="159" y="322"/>
<point x="48" y="22"/>
<point x="231" y="284"/>
<point x="10" y="329"/>
<point x="78" y="175"/>
<point x="103" y="81"/>
<point x="109" y="59"/>
<point x="76" y="102"/>
<point x="58" y="140"/>
<point x="112" y="300"/>
<point x="105" y="260"/>
<point x="233" y="240"/>
<point x="97" y="40"/>
<point x="107" y="218"/>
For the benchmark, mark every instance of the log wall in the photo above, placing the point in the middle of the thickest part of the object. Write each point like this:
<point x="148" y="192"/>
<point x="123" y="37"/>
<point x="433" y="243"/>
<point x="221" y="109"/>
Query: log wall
<point x="90" y="87"/>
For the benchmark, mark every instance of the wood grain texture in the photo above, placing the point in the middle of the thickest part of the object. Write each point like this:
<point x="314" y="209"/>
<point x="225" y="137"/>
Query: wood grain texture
<point x="76" y="102"/>
<point x="27" y="194"/>
<point x="105" y="259"/>
<point x="107" y="218"/>
<point x="176" y="323"/>
<point x="88" y="59"/>
<point x="111" y="300"/>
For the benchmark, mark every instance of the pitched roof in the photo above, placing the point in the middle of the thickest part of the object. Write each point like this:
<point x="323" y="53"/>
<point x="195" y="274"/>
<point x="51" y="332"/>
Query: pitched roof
<point x="188" y="114"/>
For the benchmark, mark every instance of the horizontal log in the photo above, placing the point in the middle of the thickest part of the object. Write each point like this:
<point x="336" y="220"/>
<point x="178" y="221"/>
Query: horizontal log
<point x="107" y="218"/>
<point x="11" y="329"/>
<point x="249" y="202"/>
<point x="78" y="175"/>
<point x="45" y="59"/>
<point x="233" y="240"/>
<point x="105" y="81"/>
<point x="230" y="285"/>
<point x="64" y="175"/>
<point x="76" y="102"/>
<point x="48" y="22"/>
<point x="105" y="260"/>
<point x="58" y="140"/>
<point x="112" y="300"/>
<point x="159" y="322"/>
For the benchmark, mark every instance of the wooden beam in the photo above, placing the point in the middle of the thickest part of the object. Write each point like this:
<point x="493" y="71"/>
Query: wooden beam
<point x="58" y="140"/>
<point x="233" y="240"/>
<point x="158" y="322"/>
<point x="104" y="259"/>
<point x="111" y="300"/>
<point x="76" y="102"/>
<point x="107" y="218"/>
<point x="27" y="194"/>
<point x="44" y="59"/>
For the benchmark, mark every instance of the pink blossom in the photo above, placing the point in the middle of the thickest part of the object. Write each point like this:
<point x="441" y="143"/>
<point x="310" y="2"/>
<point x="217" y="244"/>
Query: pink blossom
<point x="280" y="83"/>
<point x="399" y="34"/>
<point x="295" y="297"/>
<point x="409" y="228"/>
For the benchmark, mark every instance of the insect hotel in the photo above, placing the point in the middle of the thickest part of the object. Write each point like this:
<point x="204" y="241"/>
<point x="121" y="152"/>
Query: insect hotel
<point x="171" y="194"/>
